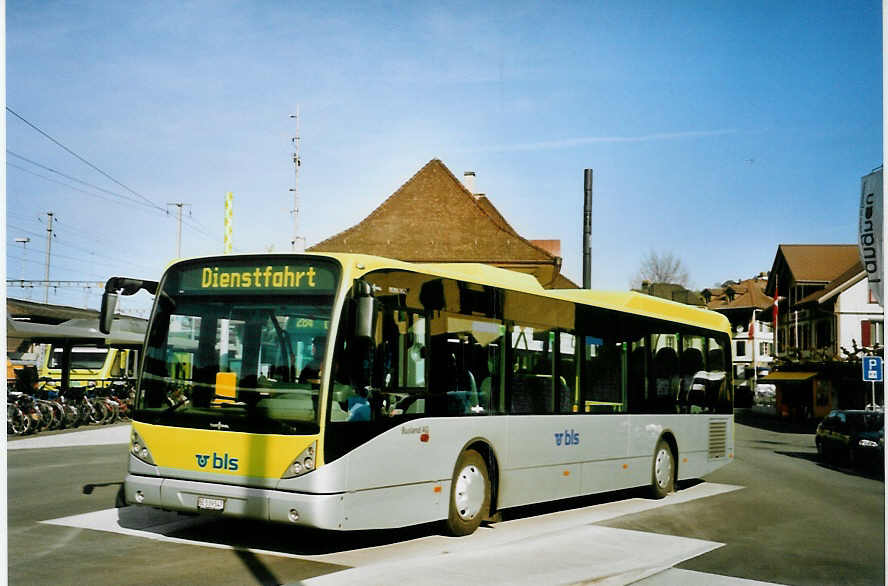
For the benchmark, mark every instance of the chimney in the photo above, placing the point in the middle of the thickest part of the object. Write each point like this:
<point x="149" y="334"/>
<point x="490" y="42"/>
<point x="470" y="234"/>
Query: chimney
<point x="469" y="181"/>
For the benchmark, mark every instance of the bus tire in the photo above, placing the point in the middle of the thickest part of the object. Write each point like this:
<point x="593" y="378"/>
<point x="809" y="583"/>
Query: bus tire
<point x="662" y="470"/>
<point x="469" y="494"/>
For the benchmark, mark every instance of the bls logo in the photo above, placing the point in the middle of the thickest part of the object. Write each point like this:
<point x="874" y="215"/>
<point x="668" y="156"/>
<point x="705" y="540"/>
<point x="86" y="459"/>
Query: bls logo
<point x="219" y="462"/>
<point x="568" y="438"/>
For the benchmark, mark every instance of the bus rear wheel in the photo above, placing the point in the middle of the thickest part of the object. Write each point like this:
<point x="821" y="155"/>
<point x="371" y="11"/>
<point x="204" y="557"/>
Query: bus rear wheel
<point x="663" y="470"/>
<point x="469" y="494"/>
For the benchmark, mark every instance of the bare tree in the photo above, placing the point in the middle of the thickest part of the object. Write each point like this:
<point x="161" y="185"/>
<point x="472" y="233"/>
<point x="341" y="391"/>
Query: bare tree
<point x="663" y="267"/>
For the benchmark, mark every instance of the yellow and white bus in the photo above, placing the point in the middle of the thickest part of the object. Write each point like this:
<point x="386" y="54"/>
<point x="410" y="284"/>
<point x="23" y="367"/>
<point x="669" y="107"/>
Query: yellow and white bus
<point x="347" y="391"/>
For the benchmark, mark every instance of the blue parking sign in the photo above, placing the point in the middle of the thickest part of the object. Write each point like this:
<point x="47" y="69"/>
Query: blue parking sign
<point x="872" y="369"/>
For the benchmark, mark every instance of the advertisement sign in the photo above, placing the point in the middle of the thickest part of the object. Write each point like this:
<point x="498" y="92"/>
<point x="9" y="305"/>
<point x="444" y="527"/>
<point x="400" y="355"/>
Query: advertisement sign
<point x="869" y="235"/>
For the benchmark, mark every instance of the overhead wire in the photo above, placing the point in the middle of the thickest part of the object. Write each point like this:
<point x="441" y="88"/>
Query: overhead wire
<point x="108" y="176"/>
<point x="190" y="222"/>
<point x="194" y="225"/>
<point x="66" y="176"/>
<point x="93" y="255"/>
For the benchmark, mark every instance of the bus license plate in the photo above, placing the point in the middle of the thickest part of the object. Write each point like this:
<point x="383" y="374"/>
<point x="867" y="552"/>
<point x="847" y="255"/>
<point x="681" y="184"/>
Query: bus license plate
<point x="206" y="503"/>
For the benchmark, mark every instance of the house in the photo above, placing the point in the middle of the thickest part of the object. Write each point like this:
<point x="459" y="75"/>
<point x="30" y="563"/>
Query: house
<point x="824" y="300"/>
<point x="826" y="322"/>
<point x="749" y="310"/>
<point x="434" y="217"/>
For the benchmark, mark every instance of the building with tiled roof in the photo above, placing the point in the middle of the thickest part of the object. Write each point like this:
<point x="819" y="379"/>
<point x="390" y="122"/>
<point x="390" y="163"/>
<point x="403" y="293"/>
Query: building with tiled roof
<point x="749" y="310"/>
<point x="434" y="217"/>
<point x="826" y="315"/>
<point x="802" y="269"/>
<point x="824" y="300"/>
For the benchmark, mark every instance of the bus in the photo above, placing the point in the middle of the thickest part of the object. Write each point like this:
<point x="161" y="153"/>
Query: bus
<point x="352" y="392"/>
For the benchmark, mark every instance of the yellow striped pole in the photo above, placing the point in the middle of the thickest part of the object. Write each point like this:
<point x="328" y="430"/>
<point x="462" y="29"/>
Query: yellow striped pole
<point x="229" y="201"/>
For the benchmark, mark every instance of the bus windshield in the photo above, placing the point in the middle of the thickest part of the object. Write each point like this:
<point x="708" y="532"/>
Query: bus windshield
<point x="244" y="358"/>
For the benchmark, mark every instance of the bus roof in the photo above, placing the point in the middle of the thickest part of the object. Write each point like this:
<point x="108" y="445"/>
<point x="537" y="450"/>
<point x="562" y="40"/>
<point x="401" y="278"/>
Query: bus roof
<point x="648" y="306"/>
<point x="624" y="301"/>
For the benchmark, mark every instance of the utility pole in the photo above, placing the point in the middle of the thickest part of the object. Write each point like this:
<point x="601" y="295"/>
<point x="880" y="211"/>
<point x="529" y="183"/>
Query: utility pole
<point x="48" y="253"/>
<point x="295" y="245"/>
<point x="179" y="205"/>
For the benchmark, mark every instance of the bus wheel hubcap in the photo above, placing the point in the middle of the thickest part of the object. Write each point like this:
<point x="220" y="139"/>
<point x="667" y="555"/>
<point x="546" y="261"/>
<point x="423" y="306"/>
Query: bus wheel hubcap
<point x="469" y="494"/>
<point x="663" y="468"/>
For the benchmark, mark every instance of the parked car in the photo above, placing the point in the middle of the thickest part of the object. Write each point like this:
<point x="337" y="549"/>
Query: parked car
<point x="852" y="437"/>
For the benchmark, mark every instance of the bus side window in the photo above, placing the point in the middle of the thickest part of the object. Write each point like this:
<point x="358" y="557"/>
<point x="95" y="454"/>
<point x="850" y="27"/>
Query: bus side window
<point x="719" y="396"/>
<point x="566" y="398"/>
<point x="532" y="388"/>
<point x="602" y="382"/>
<point x="666" y="381"/>
<point x="690" y="363"/>
<point x="411" y="360"/>
<point x="636" y="375"/>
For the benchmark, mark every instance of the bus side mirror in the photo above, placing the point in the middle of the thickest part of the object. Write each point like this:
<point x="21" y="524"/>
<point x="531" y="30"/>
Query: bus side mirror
<point x="363" y="335"/>
<point x="106" y="317"/>
<point x="365" y="311"/>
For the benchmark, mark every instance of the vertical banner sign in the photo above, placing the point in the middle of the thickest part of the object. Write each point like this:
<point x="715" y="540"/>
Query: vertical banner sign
<point x="229" y="197"/>
<point x="869" y="236"/>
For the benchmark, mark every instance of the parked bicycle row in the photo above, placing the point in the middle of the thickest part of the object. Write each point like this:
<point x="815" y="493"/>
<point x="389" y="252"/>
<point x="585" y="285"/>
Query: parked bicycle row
<point x="35" y="407"/>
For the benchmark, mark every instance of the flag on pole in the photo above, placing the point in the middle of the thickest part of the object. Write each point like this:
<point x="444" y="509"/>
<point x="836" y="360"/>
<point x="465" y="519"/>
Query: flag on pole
<point x="752" y="326"/>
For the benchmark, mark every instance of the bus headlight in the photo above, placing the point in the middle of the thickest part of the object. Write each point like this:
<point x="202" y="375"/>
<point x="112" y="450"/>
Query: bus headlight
<point x="139" y="449"/>
<point x="303" y="463"/>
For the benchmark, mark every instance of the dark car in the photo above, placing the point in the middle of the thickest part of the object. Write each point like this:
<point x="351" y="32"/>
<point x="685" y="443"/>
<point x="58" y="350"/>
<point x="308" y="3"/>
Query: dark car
<point x="852" y="437"/>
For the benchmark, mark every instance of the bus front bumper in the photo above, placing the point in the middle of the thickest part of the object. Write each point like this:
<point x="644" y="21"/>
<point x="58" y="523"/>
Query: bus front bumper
<point x="324" y="511"/>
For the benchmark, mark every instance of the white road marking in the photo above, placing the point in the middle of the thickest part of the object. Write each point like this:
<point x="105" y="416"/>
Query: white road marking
<point x="582" y="554"/>
<point x="561" y="547"/>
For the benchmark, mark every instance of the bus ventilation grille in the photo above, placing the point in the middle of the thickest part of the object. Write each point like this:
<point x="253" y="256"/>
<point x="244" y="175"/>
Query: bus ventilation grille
<point x="718" y="439"/>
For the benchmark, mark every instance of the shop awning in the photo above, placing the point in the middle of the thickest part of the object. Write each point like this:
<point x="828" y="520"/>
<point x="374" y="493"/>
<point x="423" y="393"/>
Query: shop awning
<point x="788" y="376"/>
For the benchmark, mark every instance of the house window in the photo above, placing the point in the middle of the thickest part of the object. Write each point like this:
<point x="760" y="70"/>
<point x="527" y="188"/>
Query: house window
<point x="741" y="349"/>
<point x="878" y="332"/>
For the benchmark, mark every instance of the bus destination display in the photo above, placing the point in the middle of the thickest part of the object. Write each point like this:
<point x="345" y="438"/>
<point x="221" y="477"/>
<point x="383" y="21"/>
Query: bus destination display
<point x="224" y="278"/>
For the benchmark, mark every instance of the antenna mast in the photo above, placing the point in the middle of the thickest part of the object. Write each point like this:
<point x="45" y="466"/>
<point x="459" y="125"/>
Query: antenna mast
<point x="297" y="244"/>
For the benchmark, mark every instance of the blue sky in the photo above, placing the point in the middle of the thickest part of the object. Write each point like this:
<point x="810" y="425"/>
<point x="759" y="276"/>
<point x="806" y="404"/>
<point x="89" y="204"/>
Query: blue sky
<point x="717" y="130"/>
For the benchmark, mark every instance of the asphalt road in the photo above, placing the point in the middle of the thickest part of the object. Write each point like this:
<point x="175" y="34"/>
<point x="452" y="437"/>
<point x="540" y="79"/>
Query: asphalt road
<point x="794" y="522"/>
<point x="797" y="521"/>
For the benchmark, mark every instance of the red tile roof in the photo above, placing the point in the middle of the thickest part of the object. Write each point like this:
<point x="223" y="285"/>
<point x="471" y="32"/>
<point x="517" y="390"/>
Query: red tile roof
<point x="748" y="294"/>
<point x="818" y="263"/>
<point x="432" y="217"/>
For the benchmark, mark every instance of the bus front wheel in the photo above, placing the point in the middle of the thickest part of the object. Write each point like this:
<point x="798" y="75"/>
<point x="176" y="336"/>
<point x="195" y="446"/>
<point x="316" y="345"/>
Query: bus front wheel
<point x="663" y="471"/>
<point x="469" y="494"/>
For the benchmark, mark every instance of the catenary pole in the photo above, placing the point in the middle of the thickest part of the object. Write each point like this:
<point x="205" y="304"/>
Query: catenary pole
<point x="49" y="216"/>
<point x="179" y="205"/>
<point x="295" y="244"/>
